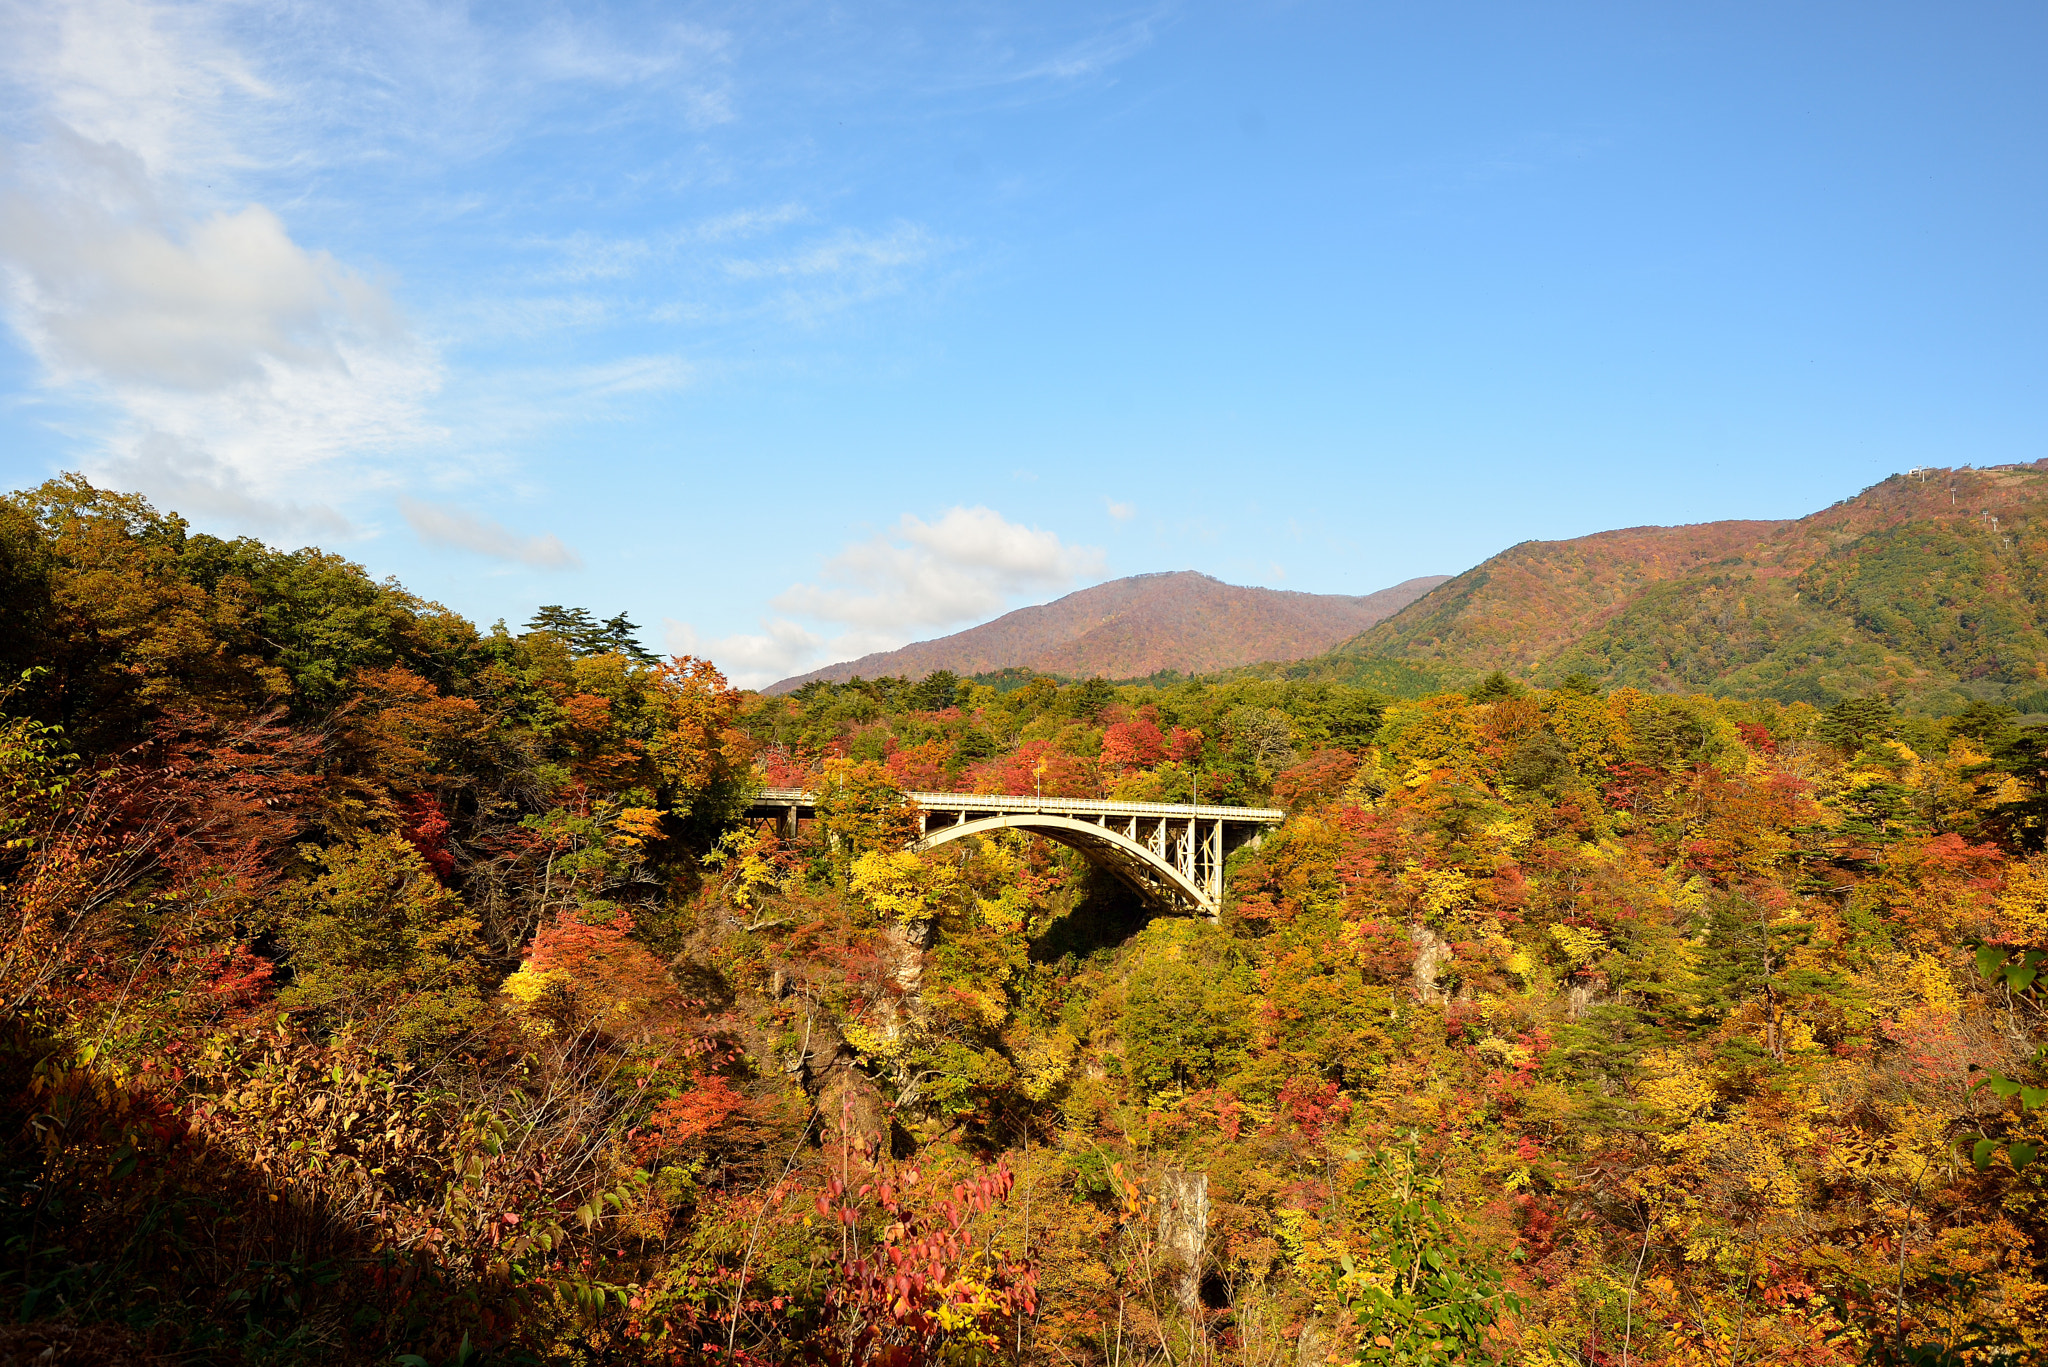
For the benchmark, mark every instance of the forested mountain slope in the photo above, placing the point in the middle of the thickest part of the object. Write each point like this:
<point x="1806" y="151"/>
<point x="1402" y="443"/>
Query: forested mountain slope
<point x="380" y="990"/>
<point x="1927" y="586"/>
<point x="1130" y="628"/>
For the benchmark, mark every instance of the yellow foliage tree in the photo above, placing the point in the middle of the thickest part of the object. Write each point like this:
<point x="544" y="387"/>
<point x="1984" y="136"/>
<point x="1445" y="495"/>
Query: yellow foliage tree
<point x="904" y="886"/>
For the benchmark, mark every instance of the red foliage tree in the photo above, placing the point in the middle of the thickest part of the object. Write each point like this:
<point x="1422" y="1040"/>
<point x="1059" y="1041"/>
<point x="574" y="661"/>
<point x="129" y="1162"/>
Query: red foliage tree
<point x="1132" y="745"/>
<point x="1319" y="778"/>
<point x="783" y="767"/>
<point x="426" y="830"/>
<point x="884" y="1306"/>
<point x="1036" y="767"/>
<point x="922" y="767"/>
<point x="681" y="1121"/>
<point x="610" y="980"/>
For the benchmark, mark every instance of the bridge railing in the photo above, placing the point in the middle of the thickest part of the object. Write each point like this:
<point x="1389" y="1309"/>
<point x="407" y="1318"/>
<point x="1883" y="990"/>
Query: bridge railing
<point x="1072" y="806"/>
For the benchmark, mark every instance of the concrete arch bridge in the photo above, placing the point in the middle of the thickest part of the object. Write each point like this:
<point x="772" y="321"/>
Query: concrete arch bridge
<point x="1170" y="854"/>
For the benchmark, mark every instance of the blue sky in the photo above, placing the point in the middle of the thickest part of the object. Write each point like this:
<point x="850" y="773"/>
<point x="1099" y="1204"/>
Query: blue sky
<point x="800" y="330"/>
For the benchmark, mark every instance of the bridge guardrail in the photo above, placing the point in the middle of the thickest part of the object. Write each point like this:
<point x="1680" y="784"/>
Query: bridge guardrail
<point x="1007" y="802"/>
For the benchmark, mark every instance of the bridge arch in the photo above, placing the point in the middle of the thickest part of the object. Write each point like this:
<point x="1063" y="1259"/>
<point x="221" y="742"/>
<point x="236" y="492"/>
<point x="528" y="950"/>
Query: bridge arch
<point x="1158" y="882"/>
<point x="1170" y="854"/>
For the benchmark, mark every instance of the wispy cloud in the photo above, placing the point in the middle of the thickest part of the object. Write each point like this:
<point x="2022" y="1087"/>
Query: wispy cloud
<point x="1122" y="512"/>
<point x="1534" y="153"/>
<point x="1097" y="52"/>
<point x="510" y="408"/>
<point x="847" y="252"/>
<point x="440" y="524"/>
<point x="933" y="574"/>
<point x="628" y="375"/>
<point x="409" y="85"/>
<point x="745" y="223"/>
<point x="916" y="579"/>
<point x="586" y="256"/>
<point x="566" y="48"/>
<point x="845" y="268"/>
<point x="156" y="83"/>
<point x="583" y="257"/>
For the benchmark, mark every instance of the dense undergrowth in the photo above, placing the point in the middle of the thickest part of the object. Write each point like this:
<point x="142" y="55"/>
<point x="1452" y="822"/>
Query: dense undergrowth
<point x="383" y="990"/>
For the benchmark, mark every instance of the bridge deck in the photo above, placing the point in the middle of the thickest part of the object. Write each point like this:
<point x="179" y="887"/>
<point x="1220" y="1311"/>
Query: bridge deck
<point x="780" y="799"/>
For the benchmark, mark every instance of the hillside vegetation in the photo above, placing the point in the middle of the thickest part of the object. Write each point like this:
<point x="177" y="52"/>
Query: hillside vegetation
<point x="1927" y="587"/>
<point x="387" y="991"/>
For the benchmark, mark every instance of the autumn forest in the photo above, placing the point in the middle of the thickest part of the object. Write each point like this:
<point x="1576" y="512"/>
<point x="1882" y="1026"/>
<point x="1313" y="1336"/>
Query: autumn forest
<point x="383" y="989"/>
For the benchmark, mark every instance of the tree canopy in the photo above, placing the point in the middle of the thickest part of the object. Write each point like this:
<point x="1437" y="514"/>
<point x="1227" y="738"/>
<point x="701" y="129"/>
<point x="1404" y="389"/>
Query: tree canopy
<point x="387" y="990"/>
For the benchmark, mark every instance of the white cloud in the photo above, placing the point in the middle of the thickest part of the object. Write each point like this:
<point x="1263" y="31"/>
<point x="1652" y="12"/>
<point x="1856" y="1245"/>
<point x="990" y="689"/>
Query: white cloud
<point x="105" y="294"/>
<point x="233" y="363"/>
<point x="917" y="580"/>
<point x="1122" y="512"/>
<point x="196" y="484"/>
<point x="966" y="565"/>
<point x="226" y="366"/>
<point x="439" y="524"/>
<point x="780" y="649"/>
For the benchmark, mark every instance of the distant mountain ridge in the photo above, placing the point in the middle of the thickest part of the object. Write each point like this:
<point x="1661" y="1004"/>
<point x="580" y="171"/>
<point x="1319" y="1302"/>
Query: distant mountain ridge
<point x="1129" y="628"/>
<point x="1931" y="586"/>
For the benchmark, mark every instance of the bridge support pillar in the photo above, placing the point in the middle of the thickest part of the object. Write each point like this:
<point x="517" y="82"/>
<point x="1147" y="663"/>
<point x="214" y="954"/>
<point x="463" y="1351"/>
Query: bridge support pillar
<point x="1214" y="884"/>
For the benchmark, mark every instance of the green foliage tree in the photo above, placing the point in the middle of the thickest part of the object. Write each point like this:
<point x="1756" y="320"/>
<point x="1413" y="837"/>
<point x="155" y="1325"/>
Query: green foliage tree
<point x="1853" y="724"/>
<point x="378" y="947"/>
<point x="1427" y="1296"/>
<point x="1496" y="686"/>
<point x="318" y="618"/>
<point x="935" y="692"/>
<point x="1086" y="700"/>
<point x="1184" y="1022"/>
<point x="1351" y="716"/>
<point x="2017" y="970"/>
<point x="1749" y="954"/>
<point x="586" y="635"/>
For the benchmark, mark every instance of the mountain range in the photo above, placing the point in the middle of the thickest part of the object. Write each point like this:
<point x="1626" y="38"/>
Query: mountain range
<point x="1931" y="586"/>
<point x="1129" y="628"/>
